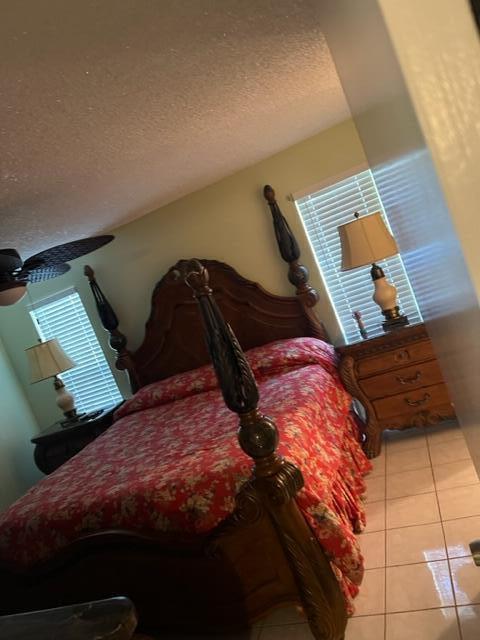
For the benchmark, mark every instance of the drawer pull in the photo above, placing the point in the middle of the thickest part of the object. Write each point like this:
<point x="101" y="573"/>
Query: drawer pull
<point x="401" y="356"/>
<point x="416" y="403"/>
<point x="411" y="380"/>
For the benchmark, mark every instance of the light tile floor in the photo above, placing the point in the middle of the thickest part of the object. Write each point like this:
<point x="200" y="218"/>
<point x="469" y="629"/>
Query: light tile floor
<point x="421" y="582"/>
<point x="423" y="508"/>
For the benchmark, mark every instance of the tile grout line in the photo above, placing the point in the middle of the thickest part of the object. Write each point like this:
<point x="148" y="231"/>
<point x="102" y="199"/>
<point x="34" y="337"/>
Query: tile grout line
<point x="406" y="526"/>
<point x="402" y="450"/>
<point x="459" y="628"/>
<point x="425" y="494"/>
<point x="385" y="554"/>
<point x="411" y="564"/>
<point x="423" y="466"/>
<point x="392" y="613"/>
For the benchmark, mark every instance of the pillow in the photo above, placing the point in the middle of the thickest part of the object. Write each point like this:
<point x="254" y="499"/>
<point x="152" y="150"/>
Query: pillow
<point x="176" y="387"/>
<point x="281" y="355"/>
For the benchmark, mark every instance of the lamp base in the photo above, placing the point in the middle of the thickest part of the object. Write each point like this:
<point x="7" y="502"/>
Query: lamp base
<point x="68" y="421"/>
<point x="394" y="319"/>
<point x="80" y="418"/>
<point x="65" y="400"/>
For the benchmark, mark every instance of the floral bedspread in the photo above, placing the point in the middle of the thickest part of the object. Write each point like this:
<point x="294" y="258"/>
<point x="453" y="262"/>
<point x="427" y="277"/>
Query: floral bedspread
<point x="171" y="462"/>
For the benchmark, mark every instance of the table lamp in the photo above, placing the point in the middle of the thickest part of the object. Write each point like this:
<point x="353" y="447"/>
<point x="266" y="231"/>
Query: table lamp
<point x="364" y="241"/>
<point x="47" y="360"/>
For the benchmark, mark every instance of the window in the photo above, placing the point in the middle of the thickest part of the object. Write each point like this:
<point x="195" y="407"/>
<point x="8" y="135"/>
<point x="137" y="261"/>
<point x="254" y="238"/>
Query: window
<point x="91" y="381"/>
<point x="322" y="212"/>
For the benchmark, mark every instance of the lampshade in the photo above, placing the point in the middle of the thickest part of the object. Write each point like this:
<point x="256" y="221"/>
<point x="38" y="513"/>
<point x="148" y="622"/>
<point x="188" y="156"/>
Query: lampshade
<point x="46" y="360"/>
<point x="364" y="241"/>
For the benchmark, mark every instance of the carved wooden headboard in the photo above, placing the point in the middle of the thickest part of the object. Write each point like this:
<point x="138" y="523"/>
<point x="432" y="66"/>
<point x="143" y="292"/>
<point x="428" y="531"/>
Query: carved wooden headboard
<point x="174" y="338"/>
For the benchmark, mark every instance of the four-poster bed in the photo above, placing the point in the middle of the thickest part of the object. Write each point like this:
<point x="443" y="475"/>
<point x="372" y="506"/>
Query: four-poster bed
<point x="217" y="559"/>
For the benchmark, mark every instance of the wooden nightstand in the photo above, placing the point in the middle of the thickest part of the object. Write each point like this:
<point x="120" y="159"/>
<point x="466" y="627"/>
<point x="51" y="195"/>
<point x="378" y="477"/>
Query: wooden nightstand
<point x="57" y="444"/>
<point x="397" y="379"/>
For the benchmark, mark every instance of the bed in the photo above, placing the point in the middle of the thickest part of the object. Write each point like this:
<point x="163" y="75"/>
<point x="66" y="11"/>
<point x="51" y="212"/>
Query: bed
<point x="166" y="508"/>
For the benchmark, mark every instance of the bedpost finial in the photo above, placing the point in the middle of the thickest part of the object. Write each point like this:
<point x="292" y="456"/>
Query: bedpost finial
<point x="287" y="243"/>
<point x="269" y="194"/>
<point x="89" y="272"/>
<point x="109" y="320"/>
<point x="197" y="278"/>
<point x="297" y="272"/>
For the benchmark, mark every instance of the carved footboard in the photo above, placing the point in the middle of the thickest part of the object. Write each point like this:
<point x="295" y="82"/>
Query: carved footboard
<point x="275" y="482"/>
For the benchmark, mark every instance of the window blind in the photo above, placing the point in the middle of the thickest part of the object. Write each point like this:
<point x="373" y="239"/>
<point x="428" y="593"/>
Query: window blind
<point x="322" y="212"/>
<point x="91" y="381"/>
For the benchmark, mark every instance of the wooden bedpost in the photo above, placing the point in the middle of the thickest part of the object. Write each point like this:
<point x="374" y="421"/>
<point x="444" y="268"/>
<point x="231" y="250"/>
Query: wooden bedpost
<point x="275" y="482"/>
<point x="297" y="273"/>
<point x="109" y="320"/>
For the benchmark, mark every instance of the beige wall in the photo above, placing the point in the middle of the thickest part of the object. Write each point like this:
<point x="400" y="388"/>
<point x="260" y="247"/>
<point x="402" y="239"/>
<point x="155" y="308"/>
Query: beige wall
<point x="413" y="85"/>
<point x="227" y="221"/>
<point x="17" y="426"/>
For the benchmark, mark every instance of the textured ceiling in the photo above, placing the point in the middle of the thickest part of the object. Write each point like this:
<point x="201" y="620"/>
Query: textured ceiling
<point x="111" y="108"/>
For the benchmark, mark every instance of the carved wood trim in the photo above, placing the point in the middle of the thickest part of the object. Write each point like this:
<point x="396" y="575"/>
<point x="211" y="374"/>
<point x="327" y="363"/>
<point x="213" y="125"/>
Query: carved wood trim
<point x="297" y="273"/>
<point x="275" y="482"/>
<point x="394" y="340"/>
<point x="109" y="320"/>
<point x="174" y="340"/>
<point x="423" y="418"/>
<point x="247" y="577"/>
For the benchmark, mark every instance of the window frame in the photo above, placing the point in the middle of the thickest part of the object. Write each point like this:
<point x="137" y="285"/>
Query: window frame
<point x="330" y="183"/>
<point x="95" y="353"/>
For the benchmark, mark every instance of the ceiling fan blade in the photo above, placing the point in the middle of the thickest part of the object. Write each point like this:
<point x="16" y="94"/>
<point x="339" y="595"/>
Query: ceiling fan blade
<point x="13" y="284"/>
<point x="68" y="251"/>
<point x="45" y="272"/>
<point x="15" y="274"/>
<point x="22" y="277"/>
<point x="9" y="260"/>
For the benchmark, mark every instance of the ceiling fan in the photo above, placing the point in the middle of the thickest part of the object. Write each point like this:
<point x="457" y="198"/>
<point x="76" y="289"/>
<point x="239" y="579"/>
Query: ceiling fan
<point x="16" y="274"/>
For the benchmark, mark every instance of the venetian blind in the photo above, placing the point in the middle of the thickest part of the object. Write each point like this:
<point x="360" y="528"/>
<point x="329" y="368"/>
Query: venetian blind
<point x="91" y="381"/>
<point x="322" y="212"/>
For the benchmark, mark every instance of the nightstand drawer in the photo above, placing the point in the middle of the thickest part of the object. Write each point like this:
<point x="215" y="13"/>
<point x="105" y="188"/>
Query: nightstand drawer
<point x="402" y="380"/>
<point x="396" y="379"/>
<point x="411" y="402"/>
<point x="415" y="352"/>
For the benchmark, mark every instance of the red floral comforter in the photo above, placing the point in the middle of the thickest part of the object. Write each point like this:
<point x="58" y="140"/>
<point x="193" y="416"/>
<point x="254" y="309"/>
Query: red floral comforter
<point x="171" y="461"/>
